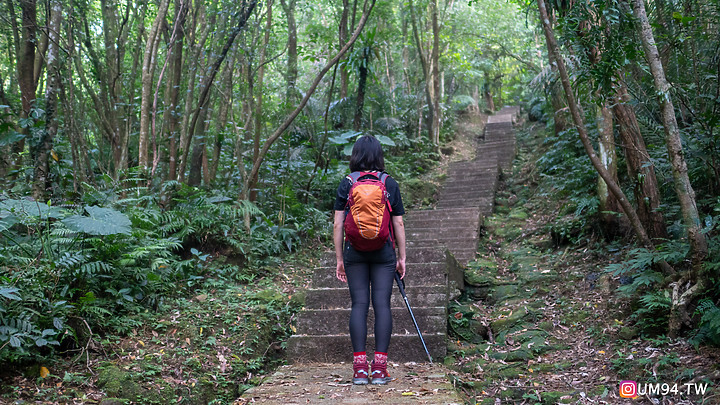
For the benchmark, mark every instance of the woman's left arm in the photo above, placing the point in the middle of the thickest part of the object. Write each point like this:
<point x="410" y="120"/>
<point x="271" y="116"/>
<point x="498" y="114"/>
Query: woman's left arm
<point x="399" y="233"/>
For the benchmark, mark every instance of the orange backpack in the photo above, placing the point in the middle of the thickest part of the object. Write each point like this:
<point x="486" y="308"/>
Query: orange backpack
<point x="367" y="212"/>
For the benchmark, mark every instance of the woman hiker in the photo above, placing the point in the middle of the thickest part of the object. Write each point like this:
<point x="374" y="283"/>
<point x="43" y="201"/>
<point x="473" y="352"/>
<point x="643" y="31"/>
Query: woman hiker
<point x="366" y="260"/>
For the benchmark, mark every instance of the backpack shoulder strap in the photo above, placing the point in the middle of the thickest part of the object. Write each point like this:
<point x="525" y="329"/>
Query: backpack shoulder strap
<point x="354" y="176"/>
<point x="383" y="177"/>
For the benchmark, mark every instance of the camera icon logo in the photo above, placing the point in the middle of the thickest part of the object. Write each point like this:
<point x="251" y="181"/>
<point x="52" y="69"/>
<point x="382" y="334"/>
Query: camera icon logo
<point x="628" y="389"/>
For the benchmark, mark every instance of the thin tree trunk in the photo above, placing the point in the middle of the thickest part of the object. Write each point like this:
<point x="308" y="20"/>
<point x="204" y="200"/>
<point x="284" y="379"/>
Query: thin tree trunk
<point x="258" y="127"/>
<point x="608" y="156"/>
<point x="25" y="67"/>
<point x="42" y="158"/>
<point x="683" y="188"/>
<point x="577" y="115"/>
<point x="344" y="74"/>
<point x="487" y="93"/>
<point x="170" y="115"/>
<point x="192" y="74"/>
<point x="425" y="71"/>
<point x="148" y="75"/>
<point x="292" y="60"/>
<point x="360" y="98"/>
<point x="437" y="117"/>
<point x="279" y="131"/>
<point x="208" y="79"/>
<point x="639" y="166"/>
<point x="225" y="103"/>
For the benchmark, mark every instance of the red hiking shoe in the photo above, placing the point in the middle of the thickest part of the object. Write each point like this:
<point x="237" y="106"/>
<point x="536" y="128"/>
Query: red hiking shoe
<point x="379" y="374"/>
<point x="360" y="373"/>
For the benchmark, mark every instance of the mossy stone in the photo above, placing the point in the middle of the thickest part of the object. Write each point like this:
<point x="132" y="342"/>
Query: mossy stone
<point x="118" y="383"/>
<point x="506" y="323"/>
<point x="555" y="397"/>
<point x="112" y="401"/>
<point x="504" y="292"/>
<point x="546" y="325"/>
<point x="518" y="213"/>
<point x="269" y="295"/>
<point x="513" y="356"/>
<point x="627" y="333"/>
<point x="577" y="316"/>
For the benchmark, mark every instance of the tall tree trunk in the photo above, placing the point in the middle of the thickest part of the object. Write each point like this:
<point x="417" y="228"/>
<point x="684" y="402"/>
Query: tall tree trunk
<point x="487" y="93"/>
<point x="192" y="73"/>
<point x="425" y="70"/>
<point x="42" y="157"/>
<point x="148" y="75"/>
<point x="577" y="115"/>
<point x="171" y="114"/>
<point x="78" y="147"/>
<point x="608" y="156"/>
<point x="560" y="117"/>
<point x="25" y="67"/>
<point x="208" y="79"/>
<point x="344" y="75"/>
<point x="639" y="166"/>
<point x="292" y="60"/>
<point x="683" y="188"/>
<point x="437" y="117"/>
<point x="198" y="149"/>
<point x="362" y="84"/>
<point x="258" y="127"/>
<point x="225" y="103"/>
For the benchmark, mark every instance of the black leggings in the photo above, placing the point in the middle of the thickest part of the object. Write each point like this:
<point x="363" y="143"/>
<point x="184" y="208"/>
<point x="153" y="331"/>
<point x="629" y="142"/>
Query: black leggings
<point x="364" y="269"/>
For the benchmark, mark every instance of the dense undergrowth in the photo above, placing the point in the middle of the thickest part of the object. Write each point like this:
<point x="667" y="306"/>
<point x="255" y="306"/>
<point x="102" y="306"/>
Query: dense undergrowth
<point x="556" y="310"/>
<point x="145" y="292"/>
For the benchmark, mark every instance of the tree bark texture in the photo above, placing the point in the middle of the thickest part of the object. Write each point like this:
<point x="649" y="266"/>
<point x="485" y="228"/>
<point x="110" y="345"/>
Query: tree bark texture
<point x="640" y="168"/>
<point x="683" y="188"/>
<point x="210" y="77"/>
<point x="148" y="75"/>
<point x="25" y="67"/>
<point x="41" y="181"/>
<point x="577" y="115"/>
<point x="171" y="114"/>
<point x="292" y="59"/>
<point x="437" y="113"/>
<point x="258" y="127"/>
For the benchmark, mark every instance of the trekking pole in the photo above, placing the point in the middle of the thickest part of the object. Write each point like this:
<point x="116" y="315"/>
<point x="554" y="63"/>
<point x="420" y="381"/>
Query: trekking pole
<point x="401" y="285"/>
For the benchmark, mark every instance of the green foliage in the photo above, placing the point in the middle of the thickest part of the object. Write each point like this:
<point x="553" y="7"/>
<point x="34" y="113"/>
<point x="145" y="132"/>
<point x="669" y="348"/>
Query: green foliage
<point x="109" y="266"/>
<point x="642" y="282"/>
<point x="709" y="329"/>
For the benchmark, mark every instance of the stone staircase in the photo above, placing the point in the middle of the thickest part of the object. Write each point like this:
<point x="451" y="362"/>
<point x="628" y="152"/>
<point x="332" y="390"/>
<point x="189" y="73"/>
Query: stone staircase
<point x="440" y="242"/>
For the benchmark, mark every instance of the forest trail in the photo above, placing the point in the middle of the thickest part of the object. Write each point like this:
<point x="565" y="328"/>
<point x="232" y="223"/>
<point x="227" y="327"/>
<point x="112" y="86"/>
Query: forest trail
<point x="440" y="241"/>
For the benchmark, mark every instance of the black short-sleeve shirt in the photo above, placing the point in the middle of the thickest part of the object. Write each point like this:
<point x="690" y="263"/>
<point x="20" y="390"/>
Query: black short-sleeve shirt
<point x="391" y="185"/>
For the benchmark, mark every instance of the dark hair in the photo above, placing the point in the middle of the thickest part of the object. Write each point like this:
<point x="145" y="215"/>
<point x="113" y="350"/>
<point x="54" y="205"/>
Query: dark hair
<point x="367" y="154"/>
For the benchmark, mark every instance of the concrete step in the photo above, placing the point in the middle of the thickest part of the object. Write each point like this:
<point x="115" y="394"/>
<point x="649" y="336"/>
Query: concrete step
<point x="452" y="245"/>
<point x="337" y="348"/>
<point x="484" y="208"/>
<point x="419" y="273"/>
<point x="485" y="165"/>
<point x="339" y="298"/>
<point x="335" y="321"/>
<point x="465" y="230"/>
<point x="441" y="223"/>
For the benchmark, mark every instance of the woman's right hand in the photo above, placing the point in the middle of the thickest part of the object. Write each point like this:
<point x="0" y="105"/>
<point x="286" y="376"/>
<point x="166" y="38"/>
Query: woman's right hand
<point x="340" y="271"/>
